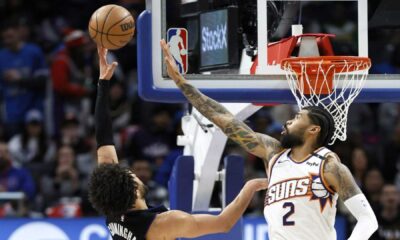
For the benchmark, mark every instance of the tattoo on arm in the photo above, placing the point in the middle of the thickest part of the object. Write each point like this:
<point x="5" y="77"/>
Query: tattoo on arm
<point x="242" y="134"/>
<point x="270" y="143"/>
<point x="205" y="105"/>
<point x="260" y="145"/>
<point x="344" y="182"/>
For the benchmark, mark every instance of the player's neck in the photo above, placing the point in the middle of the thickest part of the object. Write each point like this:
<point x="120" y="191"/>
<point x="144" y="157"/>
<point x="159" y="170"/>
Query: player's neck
<point x="140" y="204"/>
<point x="299" y="153"/>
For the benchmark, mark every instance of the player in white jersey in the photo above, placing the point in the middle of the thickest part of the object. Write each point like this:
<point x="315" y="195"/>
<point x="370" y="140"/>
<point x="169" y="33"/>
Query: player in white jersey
<point x="297" y="197"/>
<point x="305" y="178"/>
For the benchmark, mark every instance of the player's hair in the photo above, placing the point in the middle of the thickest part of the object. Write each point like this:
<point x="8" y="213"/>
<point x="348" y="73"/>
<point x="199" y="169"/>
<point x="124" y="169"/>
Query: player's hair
<point x="321" y="117"/>
<point x="112" y="189"/>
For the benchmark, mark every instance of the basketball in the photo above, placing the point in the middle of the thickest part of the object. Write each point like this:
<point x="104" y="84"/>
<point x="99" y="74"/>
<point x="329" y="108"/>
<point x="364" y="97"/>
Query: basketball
<point x="111" y="26"/>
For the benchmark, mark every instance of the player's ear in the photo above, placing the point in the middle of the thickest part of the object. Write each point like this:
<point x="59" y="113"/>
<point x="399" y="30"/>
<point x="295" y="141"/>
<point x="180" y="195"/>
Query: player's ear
<point x="315" y="129"/>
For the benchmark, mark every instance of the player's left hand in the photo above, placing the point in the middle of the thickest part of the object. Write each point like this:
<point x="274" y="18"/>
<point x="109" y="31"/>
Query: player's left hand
<point x="106" y="70"/>
<point x="172" y="69"/>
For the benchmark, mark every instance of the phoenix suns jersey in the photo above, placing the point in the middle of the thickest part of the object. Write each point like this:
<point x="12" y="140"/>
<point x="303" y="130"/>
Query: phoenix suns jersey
<point x="299" y="204"/>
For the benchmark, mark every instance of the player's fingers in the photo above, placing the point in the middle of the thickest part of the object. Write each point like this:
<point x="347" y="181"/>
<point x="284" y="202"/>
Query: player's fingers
<point x="99" y="50"/>
<point x="162" y="44"/>
<point x="105" y="55"/>
<point x="165" y="48"/>
<point x="114" y="66"/>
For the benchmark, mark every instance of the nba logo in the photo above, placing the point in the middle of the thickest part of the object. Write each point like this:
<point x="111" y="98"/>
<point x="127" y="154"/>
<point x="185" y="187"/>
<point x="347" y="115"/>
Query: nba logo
<point x="177" y="39"/>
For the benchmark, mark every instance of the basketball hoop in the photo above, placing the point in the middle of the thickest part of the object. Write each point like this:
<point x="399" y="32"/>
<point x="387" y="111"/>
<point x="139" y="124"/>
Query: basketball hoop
<point x="332" y="82"/>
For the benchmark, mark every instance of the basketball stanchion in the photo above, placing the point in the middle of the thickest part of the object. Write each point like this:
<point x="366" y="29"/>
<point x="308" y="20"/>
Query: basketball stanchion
<point x="181" y="188"/>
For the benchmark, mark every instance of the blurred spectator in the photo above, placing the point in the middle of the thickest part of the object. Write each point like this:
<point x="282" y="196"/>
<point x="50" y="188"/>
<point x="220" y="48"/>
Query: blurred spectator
<point x="13" y="179"/>
<point x="389" y="215"/>
<point x="264" y="123"/>
<point x="2" y="130"/>
<point x="64" y="180"/>
<point x="388" y="116"/>
<point x="32" y="145"/>
<point x="70" y="75"/>
<point x="361" y="119"/>
<point x="164" y="171"/>
<point x="72" y="135"/>
<point x="120" y="105"/>
<point x="391" y="159"/>
<point x="154" y="141"/>
<point x="23" y="77"/>
<point x="281" y="113"/>
<point x="66" y="208"/>
<point x="157" y="194"/>
<point x="359" y="165"/>
<point x="373" y="184"/>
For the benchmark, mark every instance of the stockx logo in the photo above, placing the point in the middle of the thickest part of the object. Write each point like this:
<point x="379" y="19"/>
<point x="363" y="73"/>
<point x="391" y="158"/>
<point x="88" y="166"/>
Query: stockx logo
<point x="214" y="39"/>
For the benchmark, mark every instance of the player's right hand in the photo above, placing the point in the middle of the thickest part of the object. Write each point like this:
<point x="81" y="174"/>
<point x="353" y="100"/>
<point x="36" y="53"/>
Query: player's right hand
<point x="106" y="70"/>
<point x="257" y="184"/>
<point x="172" y="69"/>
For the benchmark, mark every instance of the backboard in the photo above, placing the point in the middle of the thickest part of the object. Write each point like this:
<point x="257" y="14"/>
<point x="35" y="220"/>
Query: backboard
<point x="225" y="39"/>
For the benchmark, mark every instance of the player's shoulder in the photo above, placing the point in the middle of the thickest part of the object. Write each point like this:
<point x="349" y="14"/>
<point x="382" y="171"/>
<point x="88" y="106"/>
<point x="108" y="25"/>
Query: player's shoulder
<point x="333" y="168"/>
<point x="164" y="221"/>
<point x="332" y="159"/>
<point x="171" y="215"/>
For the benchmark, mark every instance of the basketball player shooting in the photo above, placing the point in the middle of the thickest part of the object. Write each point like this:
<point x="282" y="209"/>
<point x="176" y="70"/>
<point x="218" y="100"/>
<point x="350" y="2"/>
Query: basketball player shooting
<point x="116" y="192"/>
<point x="305" y="177"/>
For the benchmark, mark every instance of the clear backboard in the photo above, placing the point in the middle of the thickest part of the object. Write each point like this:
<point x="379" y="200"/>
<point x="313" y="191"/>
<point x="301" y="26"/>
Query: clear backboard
<point x="228" y="57"/>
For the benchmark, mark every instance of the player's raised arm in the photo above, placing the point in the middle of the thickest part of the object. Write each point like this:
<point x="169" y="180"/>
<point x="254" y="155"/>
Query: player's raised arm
<point x="105" y="145"/>
<point x="176" y="224"/>
<point x="340" y="180"/>
<point x="260" y="145"/>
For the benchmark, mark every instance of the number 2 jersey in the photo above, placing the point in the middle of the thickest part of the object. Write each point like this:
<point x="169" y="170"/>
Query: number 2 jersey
<point x="134" y="224"/>
<point x="299" y="204"/>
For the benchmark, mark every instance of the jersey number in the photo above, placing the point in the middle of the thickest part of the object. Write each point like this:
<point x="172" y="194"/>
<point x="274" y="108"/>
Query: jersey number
<point x="286" y="222"/>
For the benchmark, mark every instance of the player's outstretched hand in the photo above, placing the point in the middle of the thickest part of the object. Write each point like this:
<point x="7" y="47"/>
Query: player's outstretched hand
<point x="257" y="184"/>
<point x="106" y="70"/>
<point x="172" y="69"/>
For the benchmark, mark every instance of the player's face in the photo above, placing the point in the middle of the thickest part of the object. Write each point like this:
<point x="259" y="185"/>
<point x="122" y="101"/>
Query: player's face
<point x="293" y="133"/>
<point x="142" y="189"/>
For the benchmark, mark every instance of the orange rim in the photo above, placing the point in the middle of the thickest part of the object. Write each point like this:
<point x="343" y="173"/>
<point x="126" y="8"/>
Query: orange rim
<point x="339" y="62"/>
<point x="312" y="81"/>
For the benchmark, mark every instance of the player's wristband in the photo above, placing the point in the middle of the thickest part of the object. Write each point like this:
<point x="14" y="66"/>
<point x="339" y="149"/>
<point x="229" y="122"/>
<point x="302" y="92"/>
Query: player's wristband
<point x="103" y="123"/>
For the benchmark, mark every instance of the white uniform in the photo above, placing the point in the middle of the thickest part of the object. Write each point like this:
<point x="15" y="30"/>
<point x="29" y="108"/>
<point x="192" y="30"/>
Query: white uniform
<point x="298" y="204"/>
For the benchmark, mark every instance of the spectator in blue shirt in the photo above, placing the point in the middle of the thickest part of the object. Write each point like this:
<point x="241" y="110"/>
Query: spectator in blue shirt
<point x="23" y="77"/>
<point x="14" y="179"/>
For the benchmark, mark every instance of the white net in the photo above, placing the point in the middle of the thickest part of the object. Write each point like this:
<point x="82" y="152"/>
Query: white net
<point x="331" y="82"/>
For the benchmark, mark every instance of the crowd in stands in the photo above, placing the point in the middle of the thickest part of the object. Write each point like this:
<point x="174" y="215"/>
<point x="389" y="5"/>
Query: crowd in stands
<point x="48" y="77"/>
